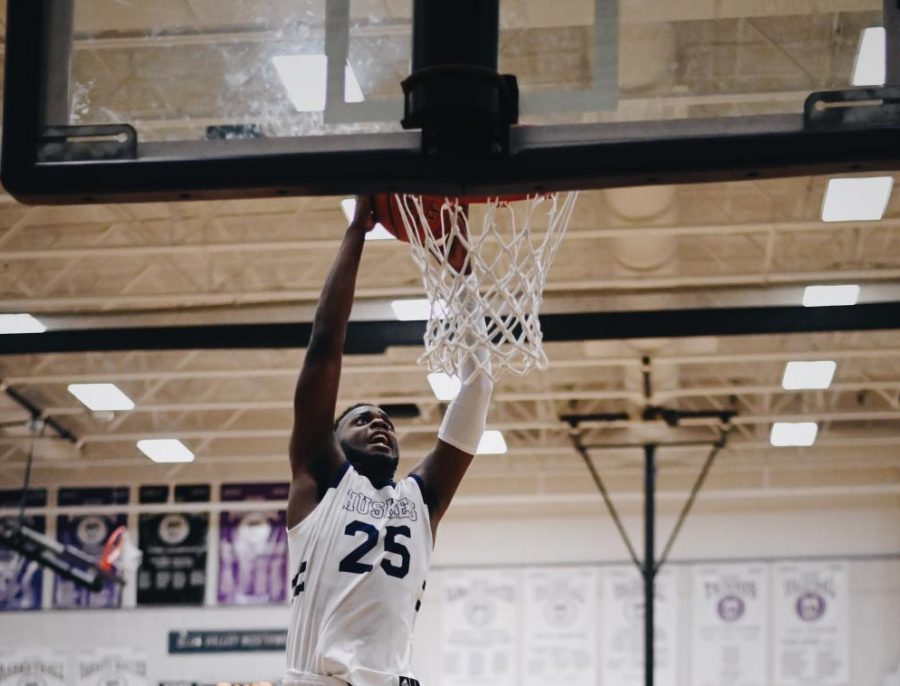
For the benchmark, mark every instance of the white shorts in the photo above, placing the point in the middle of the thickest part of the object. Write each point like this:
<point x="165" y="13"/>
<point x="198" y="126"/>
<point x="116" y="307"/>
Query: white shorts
<point x="312" y="680"/>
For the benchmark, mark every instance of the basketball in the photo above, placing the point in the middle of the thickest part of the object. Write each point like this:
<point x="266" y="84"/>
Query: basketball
<point x="388" y="212"/>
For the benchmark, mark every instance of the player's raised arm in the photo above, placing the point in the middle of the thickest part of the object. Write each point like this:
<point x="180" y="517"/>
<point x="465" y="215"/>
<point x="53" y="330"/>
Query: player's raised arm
<point x="314" y="454"/>
<point x="443" y="468"/>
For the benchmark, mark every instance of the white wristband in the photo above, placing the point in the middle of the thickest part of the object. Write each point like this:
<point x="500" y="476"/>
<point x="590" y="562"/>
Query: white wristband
<point x="466" y="416"/>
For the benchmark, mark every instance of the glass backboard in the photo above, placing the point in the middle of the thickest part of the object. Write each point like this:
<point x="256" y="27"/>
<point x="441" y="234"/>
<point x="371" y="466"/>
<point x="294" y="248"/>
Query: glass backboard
<point x="324" y="77"/>
<point x="174" y="68"/>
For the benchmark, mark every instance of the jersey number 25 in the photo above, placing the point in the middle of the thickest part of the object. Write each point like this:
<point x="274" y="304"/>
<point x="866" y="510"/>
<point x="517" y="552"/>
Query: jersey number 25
<point x="351" y="563"/>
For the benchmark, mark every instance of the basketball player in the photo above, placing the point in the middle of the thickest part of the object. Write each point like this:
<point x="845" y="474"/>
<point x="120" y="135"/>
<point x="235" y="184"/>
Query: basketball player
<point x="360" y="543"/>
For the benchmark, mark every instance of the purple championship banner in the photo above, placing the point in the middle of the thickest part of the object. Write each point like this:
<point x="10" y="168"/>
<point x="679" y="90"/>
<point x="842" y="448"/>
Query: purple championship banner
<point x="88" y="532"/>
<point x="21" y="579"/>
<point x="253" y="555"/>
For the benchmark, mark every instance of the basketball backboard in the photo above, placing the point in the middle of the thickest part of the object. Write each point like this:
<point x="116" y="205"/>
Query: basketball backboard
<point x="182" y="99"/>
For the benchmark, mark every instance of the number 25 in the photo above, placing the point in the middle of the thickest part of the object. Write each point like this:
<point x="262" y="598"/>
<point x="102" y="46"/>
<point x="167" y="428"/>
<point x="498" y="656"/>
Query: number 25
<point x="351" y="563"/>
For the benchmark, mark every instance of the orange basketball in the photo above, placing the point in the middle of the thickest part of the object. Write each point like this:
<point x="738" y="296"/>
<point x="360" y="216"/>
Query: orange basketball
<point x="388" y="213"/>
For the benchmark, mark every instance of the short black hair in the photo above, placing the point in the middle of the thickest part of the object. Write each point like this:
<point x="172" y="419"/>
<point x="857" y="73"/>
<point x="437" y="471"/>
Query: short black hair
<point x="348" y="411"/>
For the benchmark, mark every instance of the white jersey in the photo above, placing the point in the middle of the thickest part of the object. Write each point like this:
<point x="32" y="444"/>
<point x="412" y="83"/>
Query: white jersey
<point x="358" y="567"/>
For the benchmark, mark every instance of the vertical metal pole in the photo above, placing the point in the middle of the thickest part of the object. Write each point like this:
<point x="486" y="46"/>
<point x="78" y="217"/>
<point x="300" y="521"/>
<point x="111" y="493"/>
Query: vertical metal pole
<point x="892" y="42"/>
<point x="458" y="32"/>
<point x="56" y="61"/>
<point x="649" y="557"/>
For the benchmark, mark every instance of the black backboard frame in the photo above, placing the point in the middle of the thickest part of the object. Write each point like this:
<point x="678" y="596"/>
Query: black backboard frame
<point x="41" y="165"/>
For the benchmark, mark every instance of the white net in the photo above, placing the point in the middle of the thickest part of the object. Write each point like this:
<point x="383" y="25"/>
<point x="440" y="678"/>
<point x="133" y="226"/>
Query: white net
<point x="508" y="248"/>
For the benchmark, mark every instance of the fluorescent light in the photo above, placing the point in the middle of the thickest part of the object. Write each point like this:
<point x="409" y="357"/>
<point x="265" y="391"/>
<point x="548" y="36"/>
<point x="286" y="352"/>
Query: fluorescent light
<point x="415" y="309"/>
<point x="379" y="233"/>
<point x="165" y="450"/>
<point x="869" y="66"/>
<point x="101" y="397"/>
<point x="348" y="207"/>
<point x="304" y="77"/>
<point x="829" y="296"/>
<point x="848" y="200"/>
<point x="491" y="443"/>
<point x="793" y="433"/>
<point x="445" y="387"/>
<point x="808" y="375"/>
<point x="20" y="323"/>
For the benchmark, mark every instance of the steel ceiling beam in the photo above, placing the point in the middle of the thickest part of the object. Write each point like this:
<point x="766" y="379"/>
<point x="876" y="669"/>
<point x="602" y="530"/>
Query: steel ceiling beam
<point x="376" y="337"/>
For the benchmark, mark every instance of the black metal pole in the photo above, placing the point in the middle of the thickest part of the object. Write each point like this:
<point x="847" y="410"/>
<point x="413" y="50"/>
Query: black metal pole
<point x="56" y="62"/>
<point x="459" y="32"/>
<point x="649" y="570"/>
<point x="892" y="42"/>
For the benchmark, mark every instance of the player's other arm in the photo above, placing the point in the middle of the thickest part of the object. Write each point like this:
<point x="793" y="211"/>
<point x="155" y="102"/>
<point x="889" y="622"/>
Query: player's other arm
<point x="443" y="468"/>
<point x="314" y="453"/>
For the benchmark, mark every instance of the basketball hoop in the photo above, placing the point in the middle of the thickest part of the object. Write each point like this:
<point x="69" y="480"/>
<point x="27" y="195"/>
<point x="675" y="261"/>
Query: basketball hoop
<point x="120" y="557"/>
<point x="501" y="279"/>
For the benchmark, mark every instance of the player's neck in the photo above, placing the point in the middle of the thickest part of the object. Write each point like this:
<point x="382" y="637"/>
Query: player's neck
<point x="378" y="469"/>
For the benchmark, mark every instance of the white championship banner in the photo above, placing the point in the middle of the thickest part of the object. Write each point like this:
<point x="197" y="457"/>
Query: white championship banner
<point x="36" y="667"/>
<point x="811" y="615"/>
<point x="729" y="625"/>
<point x="111" y="667"/>
<point x="480" y="627"/>
<point x="622" y="612"/>
<point x="559" y="640"/>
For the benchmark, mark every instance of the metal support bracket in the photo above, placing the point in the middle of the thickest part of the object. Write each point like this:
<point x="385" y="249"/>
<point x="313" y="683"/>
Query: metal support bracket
<point x="857" y="107"/>
<point x="88" y="143"/>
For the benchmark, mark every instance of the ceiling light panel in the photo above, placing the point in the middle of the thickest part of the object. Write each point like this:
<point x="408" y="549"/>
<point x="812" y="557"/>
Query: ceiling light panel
<point x="165" y="450"/>
<point x="444" y="386"/>
<point x="305" y="77"/>
<point x="378" y="233"/>
<point x="865" y="199"/>
<point x="491" y="443"/>
<point x="101" y="397"/>
<point x="871" y="56"/>
<point x="20" y="323"/>
<point x="787" y="434"/>
<point x="830" y="296"/>
<point x="812" y="375"/>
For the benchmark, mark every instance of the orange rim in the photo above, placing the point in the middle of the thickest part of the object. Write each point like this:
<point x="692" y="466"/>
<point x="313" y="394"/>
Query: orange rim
<point x="111" y="549"/>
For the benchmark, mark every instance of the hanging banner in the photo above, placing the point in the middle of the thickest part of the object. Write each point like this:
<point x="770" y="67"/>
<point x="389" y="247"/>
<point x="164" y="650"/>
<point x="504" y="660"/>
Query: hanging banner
<point x="253" y="547"/>
<point x="111" y="667"/>
<point x="729" y="625"/>
<point x="480" y="627"/>
<point x="21" y="580"/>
<point x="37" y="667"/>
<point x="173" y="568"/>
<point x="559" y="642"/>
<point x="811" y="614"/>
<point x="88" y="533"/>
<point x="622" y="612"/>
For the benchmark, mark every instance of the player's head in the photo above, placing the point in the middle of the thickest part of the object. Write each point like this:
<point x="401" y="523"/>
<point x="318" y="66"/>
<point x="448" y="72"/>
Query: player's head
<point x="365" y="433"/>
